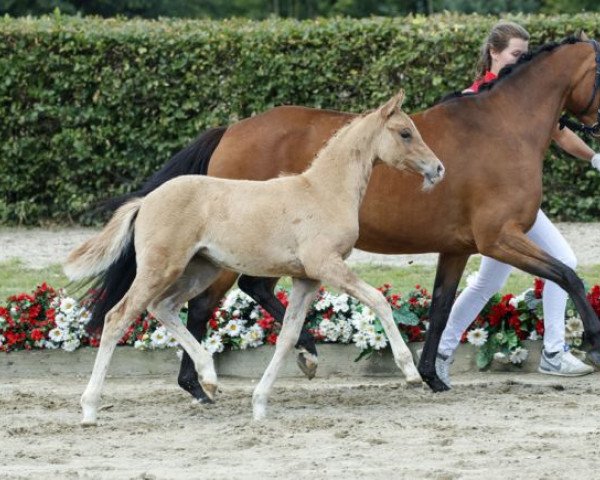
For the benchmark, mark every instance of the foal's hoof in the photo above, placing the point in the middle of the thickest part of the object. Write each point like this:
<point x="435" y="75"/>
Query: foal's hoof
<point x="199" y="395"/>
<point x="210" y="389"/>
<point x="89" y="422"/>
<point x="593" y="357"/>
<point x="308" y="363"/>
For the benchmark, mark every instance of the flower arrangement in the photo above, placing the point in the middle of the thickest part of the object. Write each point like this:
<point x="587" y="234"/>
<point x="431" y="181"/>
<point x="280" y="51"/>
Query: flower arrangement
<point x="49" y="319"/>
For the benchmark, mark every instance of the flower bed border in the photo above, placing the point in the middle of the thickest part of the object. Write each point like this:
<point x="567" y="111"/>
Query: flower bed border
<point x="335" y="361"/>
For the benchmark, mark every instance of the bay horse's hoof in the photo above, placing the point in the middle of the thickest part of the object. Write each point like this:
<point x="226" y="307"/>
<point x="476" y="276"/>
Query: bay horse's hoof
<point x="593" y="357"/>
<point x="434" y="382"/>
<point x="210" y="389"/>
<point x="308" y="363"/>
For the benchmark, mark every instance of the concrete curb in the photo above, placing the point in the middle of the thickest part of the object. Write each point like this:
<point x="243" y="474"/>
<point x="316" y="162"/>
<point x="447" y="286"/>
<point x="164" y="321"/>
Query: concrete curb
<point x="335" y="360"/>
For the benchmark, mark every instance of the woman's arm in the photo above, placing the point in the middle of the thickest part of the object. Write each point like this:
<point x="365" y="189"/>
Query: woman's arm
<point x="567" y="140"/>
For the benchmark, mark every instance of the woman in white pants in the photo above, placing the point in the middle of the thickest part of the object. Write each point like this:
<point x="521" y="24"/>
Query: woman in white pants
<point x="505" y="44"/>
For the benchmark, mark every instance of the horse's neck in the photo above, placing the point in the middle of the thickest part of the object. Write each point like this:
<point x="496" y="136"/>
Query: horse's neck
<point x="537" y="94"/>
<point x="340" y="172"/>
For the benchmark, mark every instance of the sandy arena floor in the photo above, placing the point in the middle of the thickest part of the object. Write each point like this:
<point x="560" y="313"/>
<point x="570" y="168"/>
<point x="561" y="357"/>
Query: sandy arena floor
<point x="491" y="425"/>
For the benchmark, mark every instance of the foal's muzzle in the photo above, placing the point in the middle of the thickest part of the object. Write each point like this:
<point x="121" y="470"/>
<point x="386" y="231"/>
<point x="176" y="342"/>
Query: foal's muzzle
<point x="433" y="176"/>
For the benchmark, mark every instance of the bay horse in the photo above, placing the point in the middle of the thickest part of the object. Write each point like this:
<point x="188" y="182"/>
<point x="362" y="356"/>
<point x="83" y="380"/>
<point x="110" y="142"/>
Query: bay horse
<point x="190" y="228"/>
<point x="492" y="144"/>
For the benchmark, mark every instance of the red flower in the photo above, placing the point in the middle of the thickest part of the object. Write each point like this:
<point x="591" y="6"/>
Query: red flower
<point x="50" y="314"/>
<point x="282" y="296"/>
<point x="272" y="338"/>
<point x="34" y="311"/>
<point x="212" y="323"/>
<point x="36" y="334"/>
<point x="539" y="327"/>
<point x="538" y="286"/>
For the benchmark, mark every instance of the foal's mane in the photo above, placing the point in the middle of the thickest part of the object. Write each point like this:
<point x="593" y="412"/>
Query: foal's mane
<point x="509" y="69"/>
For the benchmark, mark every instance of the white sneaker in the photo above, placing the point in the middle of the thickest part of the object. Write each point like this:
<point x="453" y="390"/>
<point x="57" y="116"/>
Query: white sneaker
<point x="442" y="367"/>
<point x="564" y="364"/>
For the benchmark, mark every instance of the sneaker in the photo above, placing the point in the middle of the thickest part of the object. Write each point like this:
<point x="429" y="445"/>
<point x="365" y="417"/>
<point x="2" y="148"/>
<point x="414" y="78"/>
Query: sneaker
<point x="442" y="367"/>
<point x="563" y="363"/>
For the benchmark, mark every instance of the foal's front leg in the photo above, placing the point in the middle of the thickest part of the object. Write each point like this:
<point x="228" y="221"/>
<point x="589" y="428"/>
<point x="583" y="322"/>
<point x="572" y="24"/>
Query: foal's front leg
<point x="337" y="274"/>
<point x="303" y="293"/>
<point x="261" y="290"/>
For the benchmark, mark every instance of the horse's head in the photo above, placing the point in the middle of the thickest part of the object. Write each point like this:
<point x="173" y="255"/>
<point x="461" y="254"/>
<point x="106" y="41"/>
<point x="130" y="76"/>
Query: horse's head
<point x="401" y="146"/>
<point x="583" y="100"/>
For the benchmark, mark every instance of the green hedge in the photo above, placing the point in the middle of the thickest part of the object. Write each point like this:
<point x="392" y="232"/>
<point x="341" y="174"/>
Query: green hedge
<point x="90" y="107"/>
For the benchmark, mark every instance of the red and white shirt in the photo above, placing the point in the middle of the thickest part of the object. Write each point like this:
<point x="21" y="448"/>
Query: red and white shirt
<point x="487" y="77"/>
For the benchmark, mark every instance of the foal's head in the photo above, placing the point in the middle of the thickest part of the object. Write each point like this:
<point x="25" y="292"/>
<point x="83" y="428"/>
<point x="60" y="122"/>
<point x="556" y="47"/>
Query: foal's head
<point x="400" y="144"/>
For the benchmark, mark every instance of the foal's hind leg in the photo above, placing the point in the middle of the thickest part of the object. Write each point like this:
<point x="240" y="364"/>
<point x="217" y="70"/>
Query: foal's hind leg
<point x="303" y="293"/>
<point x="337" y="274"/>
<point x="117" y="321"/>
<point x="197" y="276"/>
<point x="261" y="290"/>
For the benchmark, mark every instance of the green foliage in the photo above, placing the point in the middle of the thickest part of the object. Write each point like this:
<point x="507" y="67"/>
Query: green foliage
<point x="89" y="107"/>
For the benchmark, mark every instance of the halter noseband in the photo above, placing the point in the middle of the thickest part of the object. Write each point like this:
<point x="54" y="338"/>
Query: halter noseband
<point x="594" y="129"/>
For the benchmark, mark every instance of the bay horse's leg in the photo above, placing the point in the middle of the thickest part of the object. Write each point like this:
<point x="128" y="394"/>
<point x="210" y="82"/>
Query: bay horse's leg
<point x="261" y="290"/>
<point x="336" y="273"/>
<point x="514" y="247"/>
<point x="302" y="295"/>
<point x="200" y="309"/>
<point x="449" y="270"/>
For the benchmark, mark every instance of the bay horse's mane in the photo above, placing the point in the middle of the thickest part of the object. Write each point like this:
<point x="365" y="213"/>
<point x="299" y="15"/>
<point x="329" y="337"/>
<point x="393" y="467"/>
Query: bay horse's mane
<point x="509" y="69"/>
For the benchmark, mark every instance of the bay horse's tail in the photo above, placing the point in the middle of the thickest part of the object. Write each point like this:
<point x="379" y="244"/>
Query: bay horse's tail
<point x="97" y="254"/>
<point x="114" y="282"/>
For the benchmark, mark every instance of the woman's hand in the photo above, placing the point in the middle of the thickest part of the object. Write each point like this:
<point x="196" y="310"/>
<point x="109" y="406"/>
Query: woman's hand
<point x="596" y="161"/>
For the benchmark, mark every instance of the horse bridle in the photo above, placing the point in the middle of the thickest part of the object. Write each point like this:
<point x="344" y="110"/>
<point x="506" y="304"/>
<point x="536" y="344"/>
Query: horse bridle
<point x="594" y="129"/>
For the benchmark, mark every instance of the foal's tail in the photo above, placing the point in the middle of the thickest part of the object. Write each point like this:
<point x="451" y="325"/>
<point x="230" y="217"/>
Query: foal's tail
<point x="111" y="284"/>
<point x="98" y="253"/>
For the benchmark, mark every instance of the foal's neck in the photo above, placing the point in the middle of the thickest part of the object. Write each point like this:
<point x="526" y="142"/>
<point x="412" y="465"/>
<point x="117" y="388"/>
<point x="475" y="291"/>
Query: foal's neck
<point x="341" y="170"/>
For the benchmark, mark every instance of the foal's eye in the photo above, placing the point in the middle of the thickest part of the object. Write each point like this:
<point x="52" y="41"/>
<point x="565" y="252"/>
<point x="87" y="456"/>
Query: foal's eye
<point x="406" y="134"/>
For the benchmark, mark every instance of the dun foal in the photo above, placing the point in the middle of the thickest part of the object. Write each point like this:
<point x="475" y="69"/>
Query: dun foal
<point x="303" y="226"/>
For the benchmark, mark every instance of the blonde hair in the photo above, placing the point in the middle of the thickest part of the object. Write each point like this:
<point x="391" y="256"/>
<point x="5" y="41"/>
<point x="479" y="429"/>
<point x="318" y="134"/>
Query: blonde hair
<point x="497" y="40"/>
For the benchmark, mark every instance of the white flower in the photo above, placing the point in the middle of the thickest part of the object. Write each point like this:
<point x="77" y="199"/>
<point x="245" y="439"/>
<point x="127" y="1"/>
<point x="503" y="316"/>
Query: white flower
<point x="513" y="302"/>
<point x="574" y="325"/>
<point x="477" y="337"/>
<point x="3" y="321"/>
<point x="62" y="321"/>
<point x="159" y="337"/>
<point x="346" y="332"/>
<point x="330" y="330"/>
<point x="324" y="303"/>
<point x="378" y="341"/>
<point x="255" y="314"/>
<point x="233" y="328"/>
<point x="533" y="336"/>
<point x="57" y="335"/>
<point x="139" y="344"/>
<point x="71" y="344"/>
<point x="172" y="342"/>
<point x="501" y="357"/>
<point x="2" y="339"/>
<point x="214" y="343"/>
<point x="472" y="278"/>
<point x="50" y="345"/>
<point x="68" y="304"/>
<point x="84" y="316"/>
<point x="340" y="303"/>
<point x="361" y="340"/>
<point x="518" y="355"/>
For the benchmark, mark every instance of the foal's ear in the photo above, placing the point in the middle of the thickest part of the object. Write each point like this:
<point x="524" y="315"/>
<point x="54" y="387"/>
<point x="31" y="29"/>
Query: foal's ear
<point x="582" y="36"/>
<point x="394" y="103"/>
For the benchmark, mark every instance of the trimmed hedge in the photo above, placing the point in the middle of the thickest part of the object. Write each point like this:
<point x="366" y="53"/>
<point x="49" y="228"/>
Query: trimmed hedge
<point x="90" y="107"/>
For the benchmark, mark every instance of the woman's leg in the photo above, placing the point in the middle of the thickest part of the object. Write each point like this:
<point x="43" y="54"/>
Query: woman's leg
<point x="491" y="277"/>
